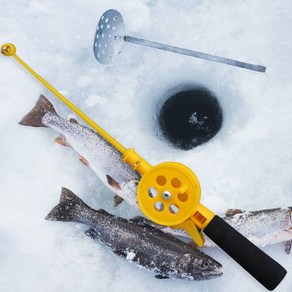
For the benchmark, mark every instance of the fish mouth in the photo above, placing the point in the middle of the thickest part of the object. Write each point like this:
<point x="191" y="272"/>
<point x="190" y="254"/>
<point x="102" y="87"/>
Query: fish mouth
<point x="211" y="274"/>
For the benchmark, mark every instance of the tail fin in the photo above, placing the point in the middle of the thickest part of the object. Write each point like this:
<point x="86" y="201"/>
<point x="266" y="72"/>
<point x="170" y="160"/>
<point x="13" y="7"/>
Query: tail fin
<point x="70" y="208"/>
<point x="35" y="116"/>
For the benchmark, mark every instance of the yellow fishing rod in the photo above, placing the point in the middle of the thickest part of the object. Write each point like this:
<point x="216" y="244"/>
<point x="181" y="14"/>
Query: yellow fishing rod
<point x="169" y="194"/>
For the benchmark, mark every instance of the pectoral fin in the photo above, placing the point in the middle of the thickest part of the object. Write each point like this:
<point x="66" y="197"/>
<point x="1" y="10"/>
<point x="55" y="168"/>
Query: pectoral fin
<point x="92" y="233"/>
<point x="61" y="140"/>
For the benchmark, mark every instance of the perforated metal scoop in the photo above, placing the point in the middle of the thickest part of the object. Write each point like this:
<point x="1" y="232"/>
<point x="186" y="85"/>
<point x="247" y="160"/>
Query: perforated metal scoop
<point x="111" y="35"/>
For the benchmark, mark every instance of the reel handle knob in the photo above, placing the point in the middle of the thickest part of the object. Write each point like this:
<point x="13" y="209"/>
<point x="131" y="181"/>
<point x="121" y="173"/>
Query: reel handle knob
<point x="262" y="267"/>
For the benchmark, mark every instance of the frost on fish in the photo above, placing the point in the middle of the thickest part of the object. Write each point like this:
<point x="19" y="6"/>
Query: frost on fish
<point x="93" y="149"/>
<point x="139" y="243"/>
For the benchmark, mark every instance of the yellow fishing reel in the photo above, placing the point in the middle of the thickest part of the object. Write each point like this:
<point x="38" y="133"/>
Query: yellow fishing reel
<point x="169" y="194"/>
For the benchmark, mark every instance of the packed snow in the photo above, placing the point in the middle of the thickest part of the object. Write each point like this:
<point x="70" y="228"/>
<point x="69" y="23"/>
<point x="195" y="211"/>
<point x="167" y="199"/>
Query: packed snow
<point x="247" y="165"/>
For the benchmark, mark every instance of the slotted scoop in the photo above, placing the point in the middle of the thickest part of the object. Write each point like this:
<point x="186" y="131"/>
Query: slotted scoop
<point x="110" y="38"/>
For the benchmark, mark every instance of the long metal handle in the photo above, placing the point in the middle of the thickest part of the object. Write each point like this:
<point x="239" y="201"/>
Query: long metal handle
<point x="195" y="54"/>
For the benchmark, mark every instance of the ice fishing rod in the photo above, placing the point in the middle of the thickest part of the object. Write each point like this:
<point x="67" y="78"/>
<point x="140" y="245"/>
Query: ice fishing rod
<point x="110" y="38"/>
<point x="176" y="201"/>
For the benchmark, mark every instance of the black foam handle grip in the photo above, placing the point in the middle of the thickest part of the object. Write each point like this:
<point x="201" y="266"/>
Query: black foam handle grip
<point x="262" y="267"/>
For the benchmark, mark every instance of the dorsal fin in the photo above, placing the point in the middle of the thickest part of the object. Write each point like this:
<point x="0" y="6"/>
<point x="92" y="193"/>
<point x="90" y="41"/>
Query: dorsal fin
<point x="231" y="212"/>
<point x="140" y="220"/>
<point x="73" y="121"/>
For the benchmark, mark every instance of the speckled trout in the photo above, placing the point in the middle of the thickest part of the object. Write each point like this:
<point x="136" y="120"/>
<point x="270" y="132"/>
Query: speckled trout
<point x="138" y="242"/>
<point x="261" y="227"/>
<point x="94" y="150"/>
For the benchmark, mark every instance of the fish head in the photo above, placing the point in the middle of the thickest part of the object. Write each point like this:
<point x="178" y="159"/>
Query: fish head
<point x="129" y="192"/>
<point x="198" y="266"/>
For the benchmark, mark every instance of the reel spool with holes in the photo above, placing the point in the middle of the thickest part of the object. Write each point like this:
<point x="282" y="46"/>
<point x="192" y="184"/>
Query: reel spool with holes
<point x="111" y="34"/>
<point x="169" y="193"/>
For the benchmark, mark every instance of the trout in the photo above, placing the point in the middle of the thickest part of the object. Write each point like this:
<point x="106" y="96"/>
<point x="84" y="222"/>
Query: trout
<point x="94" y="150"/>
<point x="138" y="242"/>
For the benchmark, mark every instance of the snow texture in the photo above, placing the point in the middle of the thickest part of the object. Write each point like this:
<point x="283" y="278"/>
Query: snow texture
<point x="248" y="165"/>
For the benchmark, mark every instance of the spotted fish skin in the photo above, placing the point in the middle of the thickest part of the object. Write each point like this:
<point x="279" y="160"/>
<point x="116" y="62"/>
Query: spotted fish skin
<point x="99" y="154"/>
<point x="138" y="242"/>
<point x="263" y="227"/>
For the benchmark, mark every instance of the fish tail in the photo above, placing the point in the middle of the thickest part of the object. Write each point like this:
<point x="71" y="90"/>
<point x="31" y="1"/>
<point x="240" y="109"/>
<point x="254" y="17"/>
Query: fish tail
<point x="70" y="209"/>
<point x="35" y="116"/>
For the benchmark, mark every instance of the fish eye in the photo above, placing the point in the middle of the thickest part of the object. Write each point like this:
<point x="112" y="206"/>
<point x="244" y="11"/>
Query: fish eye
<point x="205" y="264"/>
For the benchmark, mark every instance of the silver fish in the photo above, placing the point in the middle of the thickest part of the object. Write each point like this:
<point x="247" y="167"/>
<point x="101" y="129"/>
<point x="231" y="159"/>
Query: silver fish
<point x="94" y="150"/>
<point x="138" y="242"/>
<point x="264" y="227"/>
<point x="261" y="227"/>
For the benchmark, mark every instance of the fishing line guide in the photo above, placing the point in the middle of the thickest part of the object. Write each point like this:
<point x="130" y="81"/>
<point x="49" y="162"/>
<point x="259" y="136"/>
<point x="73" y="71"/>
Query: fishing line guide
<point x="183" y="192"/>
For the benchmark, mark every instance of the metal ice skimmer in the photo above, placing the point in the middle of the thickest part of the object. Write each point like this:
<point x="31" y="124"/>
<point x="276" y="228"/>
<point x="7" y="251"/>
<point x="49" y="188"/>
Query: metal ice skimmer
<point x="111" y="35"/>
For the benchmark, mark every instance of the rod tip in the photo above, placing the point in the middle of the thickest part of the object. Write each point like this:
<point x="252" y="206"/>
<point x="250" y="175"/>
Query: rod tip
<point x="8" y="49"/>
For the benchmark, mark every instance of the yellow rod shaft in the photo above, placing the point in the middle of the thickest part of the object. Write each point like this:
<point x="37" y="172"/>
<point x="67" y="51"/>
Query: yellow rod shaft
<point x="88" y="120"/>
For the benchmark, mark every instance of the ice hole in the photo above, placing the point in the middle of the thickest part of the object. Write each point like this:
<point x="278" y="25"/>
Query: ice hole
<point x="190" y="118"/>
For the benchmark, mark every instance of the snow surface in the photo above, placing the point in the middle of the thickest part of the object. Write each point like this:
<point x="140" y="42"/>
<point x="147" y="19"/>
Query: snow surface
<point x="247" y="165"/>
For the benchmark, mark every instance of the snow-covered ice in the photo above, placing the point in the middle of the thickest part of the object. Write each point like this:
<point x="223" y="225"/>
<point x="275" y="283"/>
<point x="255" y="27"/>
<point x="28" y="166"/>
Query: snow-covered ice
<point x="248" y="165"/>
